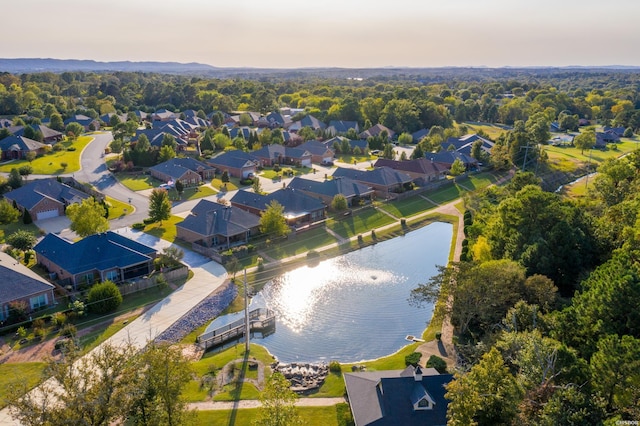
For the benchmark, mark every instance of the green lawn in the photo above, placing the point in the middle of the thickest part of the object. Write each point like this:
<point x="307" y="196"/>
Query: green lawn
<point x="269" y="173"/>
<point x="409" y="206"/>
<point x="15" y="375"/>
<point x="568" y="158"/>
<point x="492" y="130"/>
<point x="10" y="228"/>
<point x="195" y="192"/>
<point x="311" y="416"/>
<point x="137" y="182"/>
<point x="50" y="164"/>
<point x="301" y="243"/>
<point x="165" y="229"/>
<point x="446" y="194"/>
<point x="117" y="208"/>
<point x="359" y="223"/>
<point x="230" y="186"/>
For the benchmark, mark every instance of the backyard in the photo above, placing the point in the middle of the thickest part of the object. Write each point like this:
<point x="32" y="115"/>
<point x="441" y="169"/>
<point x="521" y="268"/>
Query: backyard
<point x="52" y="162"/>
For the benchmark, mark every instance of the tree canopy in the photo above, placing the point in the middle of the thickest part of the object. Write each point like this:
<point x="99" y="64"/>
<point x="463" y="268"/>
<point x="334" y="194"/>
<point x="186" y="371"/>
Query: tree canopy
<point x="87" y="218"/>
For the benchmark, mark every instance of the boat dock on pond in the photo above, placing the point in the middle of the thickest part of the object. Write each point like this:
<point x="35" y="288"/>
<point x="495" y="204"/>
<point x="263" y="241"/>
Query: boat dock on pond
<point x="262" y="320"/>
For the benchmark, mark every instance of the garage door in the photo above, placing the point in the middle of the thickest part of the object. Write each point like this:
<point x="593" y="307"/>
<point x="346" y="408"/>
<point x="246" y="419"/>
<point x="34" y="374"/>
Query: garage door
<point x="306" y="163"/>
<point x="47" y="214"/>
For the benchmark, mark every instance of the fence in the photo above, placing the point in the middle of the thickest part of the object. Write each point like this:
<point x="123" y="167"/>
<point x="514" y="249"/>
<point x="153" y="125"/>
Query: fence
<point x="152" y="281"/>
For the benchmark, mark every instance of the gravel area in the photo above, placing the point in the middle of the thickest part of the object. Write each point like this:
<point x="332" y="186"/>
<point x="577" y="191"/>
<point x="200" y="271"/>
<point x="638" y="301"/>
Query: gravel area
<point x="201" y="314"/>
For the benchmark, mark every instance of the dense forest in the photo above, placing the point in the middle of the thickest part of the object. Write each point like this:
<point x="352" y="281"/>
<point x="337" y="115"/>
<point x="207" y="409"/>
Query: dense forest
<point x="547" y="295"/>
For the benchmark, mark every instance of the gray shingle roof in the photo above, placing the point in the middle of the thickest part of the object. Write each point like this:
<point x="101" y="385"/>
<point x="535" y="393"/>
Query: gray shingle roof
<point x="95" y="252"/>
<point x="33" y="192"/>
<point x="236" y="159"/>
<point x="379" y="176"/>
<point x="20" y="143"/>
<point x="294" y="202"/>
<point x="177" y="167"/>
<point x="18" y="281"/>
<point x="208" y="218"/>
<point x="330" y="188"/>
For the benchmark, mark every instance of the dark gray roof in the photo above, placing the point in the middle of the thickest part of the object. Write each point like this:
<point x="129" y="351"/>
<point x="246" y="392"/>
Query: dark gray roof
<point x="419" y="134"/>
<point x="340" y="185"/>
<point x="379" y="176"/>
<point x="315" y="147"/>
<point x="343" y="126"/>
<point x="33" y="192"/>
<point x="384" y="398"/>
<point x="18" y="281"/>
<point x="308" y="121"/>
<point x="448" y="157"/>
<point x="418" y="165"/>
<point x="208" y="218"/>
<point x="95" y="252"/>
<point x="465" y="143"/>
<point x="47" y="132"/>
<point x="236" y="159"/>
<point x="19" y="143"/>
<point x="177" y="167"/>
<point x="294" y="202"/>
<point x="376" y="130"/>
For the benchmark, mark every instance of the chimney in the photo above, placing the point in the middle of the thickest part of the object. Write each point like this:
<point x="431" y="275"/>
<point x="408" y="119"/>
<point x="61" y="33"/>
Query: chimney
<point x="417" y="374"/>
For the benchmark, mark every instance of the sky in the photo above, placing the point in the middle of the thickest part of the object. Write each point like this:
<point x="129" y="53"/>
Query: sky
<point x="327" y="33"/>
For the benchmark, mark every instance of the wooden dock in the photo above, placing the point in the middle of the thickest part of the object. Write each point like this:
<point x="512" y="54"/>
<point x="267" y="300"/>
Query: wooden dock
<point x="261" y="319"/>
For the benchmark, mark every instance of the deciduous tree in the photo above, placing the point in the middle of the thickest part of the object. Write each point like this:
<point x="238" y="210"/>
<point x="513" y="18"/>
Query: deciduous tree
<point x="159" y="205"/>
<point x="278" y="403"/>
<point x="87" y="218"/>
<point x="273" y="222"/>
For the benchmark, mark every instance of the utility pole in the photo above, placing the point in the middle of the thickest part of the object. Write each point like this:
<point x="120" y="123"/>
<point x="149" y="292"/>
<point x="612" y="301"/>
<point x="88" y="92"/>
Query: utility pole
<point x="586" y="183"/>
<point x="247" y="328"/>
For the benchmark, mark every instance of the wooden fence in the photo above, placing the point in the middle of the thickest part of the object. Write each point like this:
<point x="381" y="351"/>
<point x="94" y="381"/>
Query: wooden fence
<point x="152" y="281"/>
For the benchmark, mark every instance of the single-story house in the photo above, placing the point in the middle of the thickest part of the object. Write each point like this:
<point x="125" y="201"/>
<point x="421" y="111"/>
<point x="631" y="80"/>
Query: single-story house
<point x="163" y="115"/>
<point x="242" y="131"/>
<point x="361" y="144"/>
<point x="377" y="130"/>
<point x="49" y="135"/>
<point x="20" y="283"/>
<point x="237" y="163"/>
<point x="448" y="157"/>
<point x="277" y="119"/>
<point x="212" y="224"/>
<point x="106" y="118"/>
<point x="421" y="170"/>
<point x="418" y="135"/>
<point x="17" y="147"/>
<point x="307" y="121"/>
<point x="619" y="131"/>
<point x="320" y="153"/>
<point x="603" y="138"/>
<point x="188" y="171"/>
<point x="465" y="143"/>
<point x="326" y="190"/>
<point x="337" y="127"/>
<point x="269" y="155"/>
<point x="99" y="257"/>
<point x="299" y="208"/>
<point x="45" y="198"/>
<point x="414" y="396"/>
<point x="88" y="123"/>
<point x="383" y="180"/>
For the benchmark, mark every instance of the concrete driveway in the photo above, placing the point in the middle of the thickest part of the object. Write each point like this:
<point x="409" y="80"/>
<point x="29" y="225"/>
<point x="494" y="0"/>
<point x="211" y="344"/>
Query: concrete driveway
<point x="55" y="225"/>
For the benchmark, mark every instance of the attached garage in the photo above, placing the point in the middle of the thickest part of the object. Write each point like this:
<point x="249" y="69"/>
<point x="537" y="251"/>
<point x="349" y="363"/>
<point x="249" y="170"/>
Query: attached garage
<point x="306" y="162"/>
<point x="47" y="214"/>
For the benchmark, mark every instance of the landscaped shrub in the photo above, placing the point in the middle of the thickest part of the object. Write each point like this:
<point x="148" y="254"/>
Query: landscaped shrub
<point x="104" y="297"/>
<point x="438" y="363"/>
<point x="335" y="367"/>
<point x="69" y="330"/>
<point x="71" y="148"/>
<point x="138" y="226"/>
<point x="148" y="221"/>
<point x="413" y="358"/>
<point x="438" y="336"/>
<point x="373" y="234"/>
<point x="59" y="319"/>
<point x="276" y="168"/>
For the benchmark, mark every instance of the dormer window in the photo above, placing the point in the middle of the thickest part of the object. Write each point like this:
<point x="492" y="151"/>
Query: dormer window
<point x="424" y="404"/>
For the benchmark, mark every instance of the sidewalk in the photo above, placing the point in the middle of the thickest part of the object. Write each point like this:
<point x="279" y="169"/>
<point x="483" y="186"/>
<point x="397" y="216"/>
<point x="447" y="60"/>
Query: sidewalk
<point x="254" y="403"/>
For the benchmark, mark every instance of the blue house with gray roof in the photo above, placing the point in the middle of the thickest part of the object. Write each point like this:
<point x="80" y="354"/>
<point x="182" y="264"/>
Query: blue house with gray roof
<point x="98" y="257"/>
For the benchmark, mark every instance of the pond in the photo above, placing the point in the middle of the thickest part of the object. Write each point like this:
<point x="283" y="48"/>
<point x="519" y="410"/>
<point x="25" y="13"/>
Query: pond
<point x="354" y="307"/>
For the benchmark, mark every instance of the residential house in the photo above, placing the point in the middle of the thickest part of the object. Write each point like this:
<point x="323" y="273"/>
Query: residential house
<point x="212" y="224"/>
<point x="619" y="131"/>
<point x="421" y="170"/>
<point x="291" y="139"/>
<point x="377" y="130"/>
<point x="269" y="155"/>
<point x="237" y="163"/>
<point x="106" y="118"/>
<point x="414" y="396"/>
<point x="21" y="284"/>
<point x="276" y="119"/>
<point x="89" y="124"/>
<point x="307" y="121"/>
<point x="98" y="257"/>
<point x="188" y="171"/>
<point x="45" y="198"/>
<point x="602" y="139"/>
<point x="465" y="143"/>
<point x="339" y="127"/>
<point x="384" y="180"/>
<point x="163" y="115"/>
<point x="325" y="191"/>
<point x="299" y="209"/>
<point x="243" y="131"/>
<point x="418" y="135"/>
<point x="49" y="136"/>
<point x="361" y="144"/>
<point x="448" y="157"/>
<point x="17" y="147"/>
<point x="320" y="153"/>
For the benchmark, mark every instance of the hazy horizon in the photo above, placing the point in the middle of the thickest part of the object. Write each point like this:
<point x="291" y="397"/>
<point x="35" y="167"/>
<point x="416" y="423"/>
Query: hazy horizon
<point x="342" y="34"/>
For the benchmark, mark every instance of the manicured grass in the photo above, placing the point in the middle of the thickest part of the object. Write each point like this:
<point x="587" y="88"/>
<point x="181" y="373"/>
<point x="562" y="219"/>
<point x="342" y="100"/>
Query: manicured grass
<point x="301" y="243"/>
<point x="196" y="192"/>
<point x="93" y="339"/>
<point x="165" y="229"/>
<point x="6" y="230"/>
<point x="358" y="158"/>
<point x="446" y="195"/>
<point x="137" y="182"/>
<point x="568" y="158"/>
<point x="220" y="359"/>
<point x="117" y="208"/>
<point x="333" y="387"/>
<point x="236" y="391"/>
<point x="360" y="222"/>
<point x="493" y="131"/>
<point x="284" y="171"/>
<point x="50" y="164"/>
<point x="17" y="375"/>
<point x="311" y="416"/>
<point x="219" y="185"/>
<point x="409" y="206"/>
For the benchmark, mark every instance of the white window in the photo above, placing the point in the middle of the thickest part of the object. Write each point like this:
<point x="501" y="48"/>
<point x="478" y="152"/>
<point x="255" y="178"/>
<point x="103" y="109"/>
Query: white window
<point x="113" y="276"/>
<point x="38" y="301"/>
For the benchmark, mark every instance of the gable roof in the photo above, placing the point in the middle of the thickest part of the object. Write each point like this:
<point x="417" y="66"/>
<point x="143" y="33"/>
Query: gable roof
<point x="330" y="188"/>
<point x="236" y="159"/>
<point x="419" y="134"/>
<point x="210" y="218"/>
<point x="19" y="143"/>
<point x="316" y="147"/>
<point x="33" y="192"/>
<point x="307" y="121"/>
<point x="376" y="130"/>
<point x="18" y="281"/>
<point x="465" y="143"/>
<point x="46" y="132"/>
<point x="448" y="157"/>
<point x="177" y="167"/>
<point x="295" y="203"/>
<point x="418" y="165"/>
<point x="383" y="176"/>
<point x="95" y="252"/>
<point x="384" y="398"/>
<point x="340" y="126"/>
<point x="275" y="151"/>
